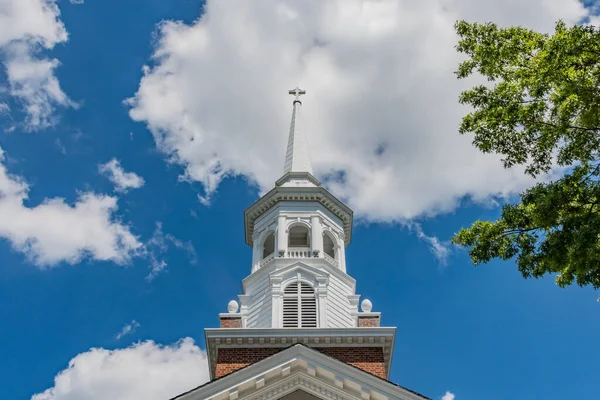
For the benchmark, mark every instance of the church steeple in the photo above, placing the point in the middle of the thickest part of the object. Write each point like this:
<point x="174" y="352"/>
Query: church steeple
<point x="298" y="290"/>
<point x="297" y="331"/>
<point x="296" y="157"/>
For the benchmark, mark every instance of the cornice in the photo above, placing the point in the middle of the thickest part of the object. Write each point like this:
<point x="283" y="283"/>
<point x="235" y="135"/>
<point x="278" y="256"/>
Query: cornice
<point x="216" y="338"/>
<point x="281" y="193"/>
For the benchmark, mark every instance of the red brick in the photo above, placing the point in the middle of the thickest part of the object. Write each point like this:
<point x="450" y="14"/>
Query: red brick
<point x="368" y="322"/>
<point x="230" y="322"/>
<point x="369" y="359"/>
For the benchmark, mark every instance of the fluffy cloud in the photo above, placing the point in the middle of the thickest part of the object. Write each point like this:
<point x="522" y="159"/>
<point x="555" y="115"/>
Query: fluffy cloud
<point x="381" y="105"/>
<point x="26" y="28"/>
<point x="122" y="180"/>
<point x="448" y="396"/>
<point x="54" y="231"/>
<point x="143" y="371"/>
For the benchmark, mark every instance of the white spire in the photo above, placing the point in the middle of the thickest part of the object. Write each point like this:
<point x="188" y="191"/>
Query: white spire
<point x="296" y="157"/>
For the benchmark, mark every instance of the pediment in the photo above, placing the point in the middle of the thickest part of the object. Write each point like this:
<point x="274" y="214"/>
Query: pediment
<point x="299" y="373"/>
<point x="307" y="271"/>
<point x="314" y="266"/>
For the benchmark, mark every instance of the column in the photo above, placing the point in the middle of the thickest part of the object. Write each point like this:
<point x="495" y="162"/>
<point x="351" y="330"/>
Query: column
<point x="276" y="300"/>
<point x="321" y="294"/>
<point x="256" y="254"/>
<point x="281" y="236"/>
<point x="341" y="248"/>
<point x="316" y="235"/>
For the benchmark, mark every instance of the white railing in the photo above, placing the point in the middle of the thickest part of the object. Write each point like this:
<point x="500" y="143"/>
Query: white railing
<point x="298" y="252"/>
<point x="330" y="259"/>
<point x="266" y="260"/>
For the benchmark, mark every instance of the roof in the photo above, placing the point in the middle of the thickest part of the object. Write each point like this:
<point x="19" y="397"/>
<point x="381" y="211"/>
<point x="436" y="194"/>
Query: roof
<point x="299" y="367"/>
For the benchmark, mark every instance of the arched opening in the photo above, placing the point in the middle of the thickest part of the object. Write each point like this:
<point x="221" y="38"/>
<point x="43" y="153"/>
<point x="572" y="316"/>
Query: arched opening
<point x="299" y="306"/>
<point x="328" y="246"/>
<point x="269" y="245"/>
<point x="298" y="236"/>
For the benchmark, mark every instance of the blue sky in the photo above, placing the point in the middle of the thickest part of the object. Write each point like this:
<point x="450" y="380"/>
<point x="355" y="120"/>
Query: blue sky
<point x="165" y="255"/>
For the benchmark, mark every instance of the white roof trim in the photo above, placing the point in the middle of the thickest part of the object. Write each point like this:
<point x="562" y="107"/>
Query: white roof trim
<point x="300" y="367"/>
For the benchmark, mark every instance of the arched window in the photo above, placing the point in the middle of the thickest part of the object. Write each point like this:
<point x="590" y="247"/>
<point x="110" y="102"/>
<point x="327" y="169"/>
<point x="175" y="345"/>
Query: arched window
<point x="328" y="246"/>
<point x="298" y="236"/>
<point x="269" y="245"/>
<point x="299" y="306"/>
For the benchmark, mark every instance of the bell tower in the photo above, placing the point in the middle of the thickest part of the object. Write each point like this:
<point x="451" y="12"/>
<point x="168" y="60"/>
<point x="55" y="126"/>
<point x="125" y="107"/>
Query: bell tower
<point x="298" y="290"/>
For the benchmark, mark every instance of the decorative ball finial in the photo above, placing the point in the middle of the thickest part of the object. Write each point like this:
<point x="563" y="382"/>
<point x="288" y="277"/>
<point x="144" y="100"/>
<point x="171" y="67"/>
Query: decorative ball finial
<point x="366" y="305"/>
<point x="232" y="307"/>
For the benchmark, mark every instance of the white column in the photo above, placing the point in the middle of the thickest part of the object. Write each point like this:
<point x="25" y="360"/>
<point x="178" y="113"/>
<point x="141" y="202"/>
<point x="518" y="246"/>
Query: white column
<point x="244" y="301"/>
<point x="276" y="300"/>
<point x="256" y="255"/>
<point x="281" y="235"/>
<point x="341" y="254"/>
<point x="321" y="293"/>
<point x="316" y="235"/>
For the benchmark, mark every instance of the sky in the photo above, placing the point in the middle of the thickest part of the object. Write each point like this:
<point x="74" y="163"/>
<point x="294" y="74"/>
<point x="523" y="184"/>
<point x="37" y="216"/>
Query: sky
<point x="134" y="134"/>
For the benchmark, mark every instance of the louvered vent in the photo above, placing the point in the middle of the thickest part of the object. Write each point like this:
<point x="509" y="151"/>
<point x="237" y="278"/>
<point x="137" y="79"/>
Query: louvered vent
<point x="299" y="306"/>
<point x="309" y="312"/>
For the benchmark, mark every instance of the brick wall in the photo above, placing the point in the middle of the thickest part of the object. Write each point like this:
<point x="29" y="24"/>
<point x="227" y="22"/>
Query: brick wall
<point x="227" y="322"/>
<point x="369" y="359"/>
<point x="368" y="322"/>
<point x="229" y="360"/>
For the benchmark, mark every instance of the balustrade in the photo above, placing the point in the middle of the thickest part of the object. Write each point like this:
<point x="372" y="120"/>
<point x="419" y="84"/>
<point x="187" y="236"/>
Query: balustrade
<point x="330" y="259"/>
<point x="267" y="260"/>
<point x="298" y="252"/>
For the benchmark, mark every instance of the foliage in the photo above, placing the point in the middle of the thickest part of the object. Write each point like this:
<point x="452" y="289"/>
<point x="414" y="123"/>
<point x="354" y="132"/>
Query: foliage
<point x="540" y="109"/>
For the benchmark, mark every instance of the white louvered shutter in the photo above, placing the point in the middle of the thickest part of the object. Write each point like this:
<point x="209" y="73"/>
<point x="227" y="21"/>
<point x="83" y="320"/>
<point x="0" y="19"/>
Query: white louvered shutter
<point x="308" y="306"/>
<point x="290" y="306"/>
<point x="299" y="306"/>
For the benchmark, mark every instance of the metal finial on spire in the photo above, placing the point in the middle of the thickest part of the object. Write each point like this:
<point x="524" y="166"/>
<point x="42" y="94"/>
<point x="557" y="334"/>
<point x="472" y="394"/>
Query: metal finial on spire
<point x="297" y="92"/>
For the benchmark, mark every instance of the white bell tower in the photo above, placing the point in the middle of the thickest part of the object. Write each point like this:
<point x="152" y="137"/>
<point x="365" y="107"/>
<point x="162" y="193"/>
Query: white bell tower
<point x="298" y="232"/>
<point x="298" y="290"/>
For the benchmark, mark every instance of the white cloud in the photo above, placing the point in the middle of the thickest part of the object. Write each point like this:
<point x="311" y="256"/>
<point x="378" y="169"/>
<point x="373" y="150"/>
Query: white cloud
<point x="143" y="371"/>
<point x="381" y="106"/>
<point x="26" y="28"/>
<point x="158" y="245"/>
<point x="55" y="231"/>
<point x="128" y="329"/>
<point x="440" y="249"/>
<point x="60" y="146"/>
<point x="448" y="396"/>
<point x="122" y="180"/>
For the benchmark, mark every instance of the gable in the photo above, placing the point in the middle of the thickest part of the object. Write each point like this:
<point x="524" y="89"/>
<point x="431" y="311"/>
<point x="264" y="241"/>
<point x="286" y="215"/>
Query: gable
<point x="297" y="373"/>
<point x="309" y="273"/>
